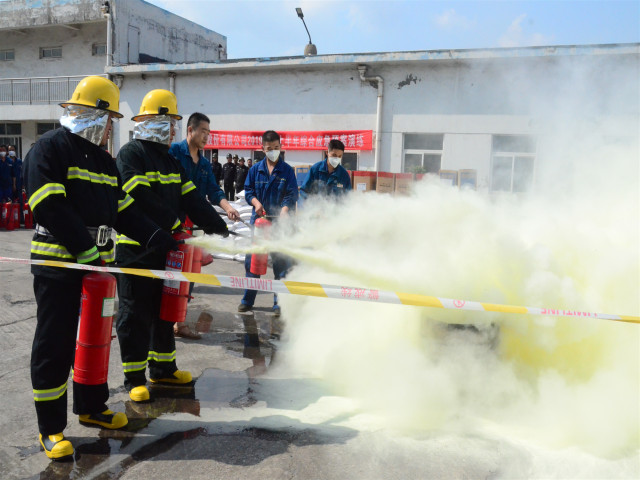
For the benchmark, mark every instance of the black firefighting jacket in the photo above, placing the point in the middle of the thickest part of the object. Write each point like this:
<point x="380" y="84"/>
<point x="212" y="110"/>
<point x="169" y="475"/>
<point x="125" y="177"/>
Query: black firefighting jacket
<point x="229" y="173"/>
<point x="73" y="184"/>
<point x="161" y="188"/>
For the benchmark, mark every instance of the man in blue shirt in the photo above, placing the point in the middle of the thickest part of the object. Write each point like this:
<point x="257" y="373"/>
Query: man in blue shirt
<point x="272" y="190"/>
<point x="200" y="172"/>
<point x="198" y="168"/>
<point x="328" y="177"/>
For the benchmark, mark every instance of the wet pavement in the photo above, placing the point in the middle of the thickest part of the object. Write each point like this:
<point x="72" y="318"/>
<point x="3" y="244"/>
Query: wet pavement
<point x="208" y="425"/>
<point x="242" y="418"/>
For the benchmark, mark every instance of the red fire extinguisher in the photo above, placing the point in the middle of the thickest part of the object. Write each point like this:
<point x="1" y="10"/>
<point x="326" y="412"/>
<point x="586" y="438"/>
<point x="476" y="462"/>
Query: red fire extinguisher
<point x="93" y="344"/>
<point x="259" y="260"/>
<point x="196" y="265"/>
<point x="13" y="220"/>
<point x="28" y="216"/>
<point x="188" y="225"/>
<point x="175" y="294"/>
<point x="4" y="217"/>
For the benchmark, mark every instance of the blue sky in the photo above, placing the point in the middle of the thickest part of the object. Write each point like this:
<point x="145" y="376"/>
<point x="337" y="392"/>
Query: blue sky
<point x="261" y="28"/>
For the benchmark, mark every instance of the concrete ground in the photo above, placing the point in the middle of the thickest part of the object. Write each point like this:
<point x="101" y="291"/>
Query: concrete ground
<point x="237" y="421"/>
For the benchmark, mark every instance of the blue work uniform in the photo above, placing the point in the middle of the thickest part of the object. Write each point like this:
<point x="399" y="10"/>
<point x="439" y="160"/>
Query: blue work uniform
<point x="17" y="195"/>
<point x="6" y="179"/>
<point x="201" y="174"/>
<point x="321" y="182"/>
<point x="274" y="192"/>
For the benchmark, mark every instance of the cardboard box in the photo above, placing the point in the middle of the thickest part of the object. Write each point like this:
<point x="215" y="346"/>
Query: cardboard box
<point x="403" y="182"/>
<point x="468" y="178"/>
<point x="302" y="172"/>
<point x="449" y="177"/>
<point x="364" y="181"/>
<point x="384" y="182"/>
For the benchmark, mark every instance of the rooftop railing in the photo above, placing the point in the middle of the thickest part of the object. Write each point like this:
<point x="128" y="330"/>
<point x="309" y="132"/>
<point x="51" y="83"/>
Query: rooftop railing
<point x="37" y="90"/>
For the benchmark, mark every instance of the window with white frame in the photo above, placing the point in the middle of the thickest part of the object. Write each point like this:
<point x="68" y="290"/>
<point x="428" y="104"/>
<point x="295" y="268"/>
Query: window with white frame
<point x="99" y="49"/>
<point x="512" y="163"/>
<point x="44" y="127"/>
<point x="51" y="52"/>
<point x="350" y="160"/>
<point x="422" y="152"/>
<point x="6" y="55"/>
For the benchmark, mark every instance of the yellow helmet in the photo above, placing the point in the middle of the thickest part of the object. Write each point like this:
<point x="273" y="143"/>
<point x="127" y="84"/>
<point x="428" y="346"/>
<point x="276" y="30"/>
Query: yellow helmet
<point x="96" y="92"/>
<point x="159" y="102"/>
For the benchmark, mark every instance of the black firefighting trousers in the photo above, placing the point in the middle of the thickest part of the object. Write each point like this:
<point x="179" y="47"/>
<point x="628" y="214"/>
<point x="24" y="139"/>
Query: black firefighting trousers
<point x="143" y="336"/>
<point x="53" y="353"/>
<point x="229" y="192"/>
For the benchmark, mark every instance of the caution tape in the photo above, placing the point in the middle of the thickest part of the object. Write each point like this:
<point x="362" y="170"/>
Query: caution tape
<point x="330" y="291"/>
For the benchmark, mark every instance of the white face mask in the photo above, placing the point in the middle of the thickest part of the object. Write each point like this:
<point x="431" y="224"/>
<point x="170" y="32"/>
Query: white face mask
<point x="12" y="153"/>
<point x="273" y="155"/>
<point x="3" y="154"/>
<point x="334" y="161"/>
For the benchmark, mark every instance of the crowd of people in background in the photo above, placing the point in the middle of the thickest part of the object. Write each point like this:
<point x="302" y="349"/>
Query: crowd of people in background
<point x="11" y="185"/>
<point x="231" y="175"/>
<point x="10" y="174"/>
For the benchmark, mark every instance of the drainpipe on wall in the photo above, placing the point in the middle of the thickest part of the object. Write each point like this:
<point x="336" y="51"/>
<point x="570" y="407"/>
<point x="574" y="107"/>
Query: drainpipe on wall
<point x="362" y="69"/>
<point x="109" y="40"/>
<point x="172" y="82"/>
<point x="106" y="13"/>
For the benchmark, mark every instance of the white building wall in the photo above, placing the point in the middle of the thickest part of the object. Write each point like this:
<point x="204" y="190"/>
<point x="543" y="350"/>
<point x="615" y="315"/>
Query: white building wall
<point x="77" y="58"/>
<point x="162" y="35"/>
<point x="467" y="101"/>
<point x="279" y="100"/>
<point x="75" y="26"/>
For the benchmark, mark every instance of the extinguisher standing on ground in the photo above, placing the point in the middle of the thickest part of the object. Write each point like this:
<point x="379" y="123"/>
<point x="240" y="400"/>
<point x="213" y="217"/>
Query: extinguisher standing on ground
<point x="13" y="220"/>
<point x="93" y="344"/>
<point x="259" y="261"/>
<point x="175" y="294"/>
<point x="6" y="210"/>
<point x="28" y="216"/>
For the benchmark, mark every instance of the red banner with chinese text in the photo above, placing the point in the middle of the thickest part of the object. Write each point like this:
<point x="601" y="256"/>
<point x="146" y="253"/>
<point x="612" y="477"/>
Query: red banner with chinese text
<point x="317" y="140"/>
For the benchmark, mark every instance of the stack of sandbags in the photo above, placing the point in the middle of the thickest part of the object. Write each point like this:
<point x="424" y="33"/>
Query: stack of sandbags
<point x="243" y="237"/>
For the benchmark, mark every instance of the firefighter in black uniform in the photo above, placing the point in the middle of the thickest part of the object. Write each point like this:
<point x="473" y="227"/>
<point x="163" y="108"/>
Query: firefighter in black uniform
<point x="228" y="177"/>
<point x="75" y="193"/>
<point x="241" y="175"/>
<point x="217" y="168"/>
<point x="159" y="184"/>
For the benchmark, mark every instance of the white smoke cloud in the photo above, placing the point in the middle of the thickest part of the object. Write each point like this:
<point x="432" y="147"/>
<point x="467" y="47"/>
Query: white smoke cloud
<point x="554" y="383"/>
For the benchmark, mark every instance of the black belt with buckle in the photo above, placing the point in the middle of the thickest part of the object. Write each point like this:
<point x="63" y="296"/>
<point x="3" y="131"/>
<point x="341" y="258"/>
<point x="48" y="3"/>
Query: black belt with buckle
<point x="101" y="235"/>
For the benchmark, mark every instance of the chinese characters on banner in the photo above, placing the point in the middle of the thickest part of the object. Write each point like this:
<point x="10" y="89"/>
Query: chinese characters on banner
<point x="352" y="139"/>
